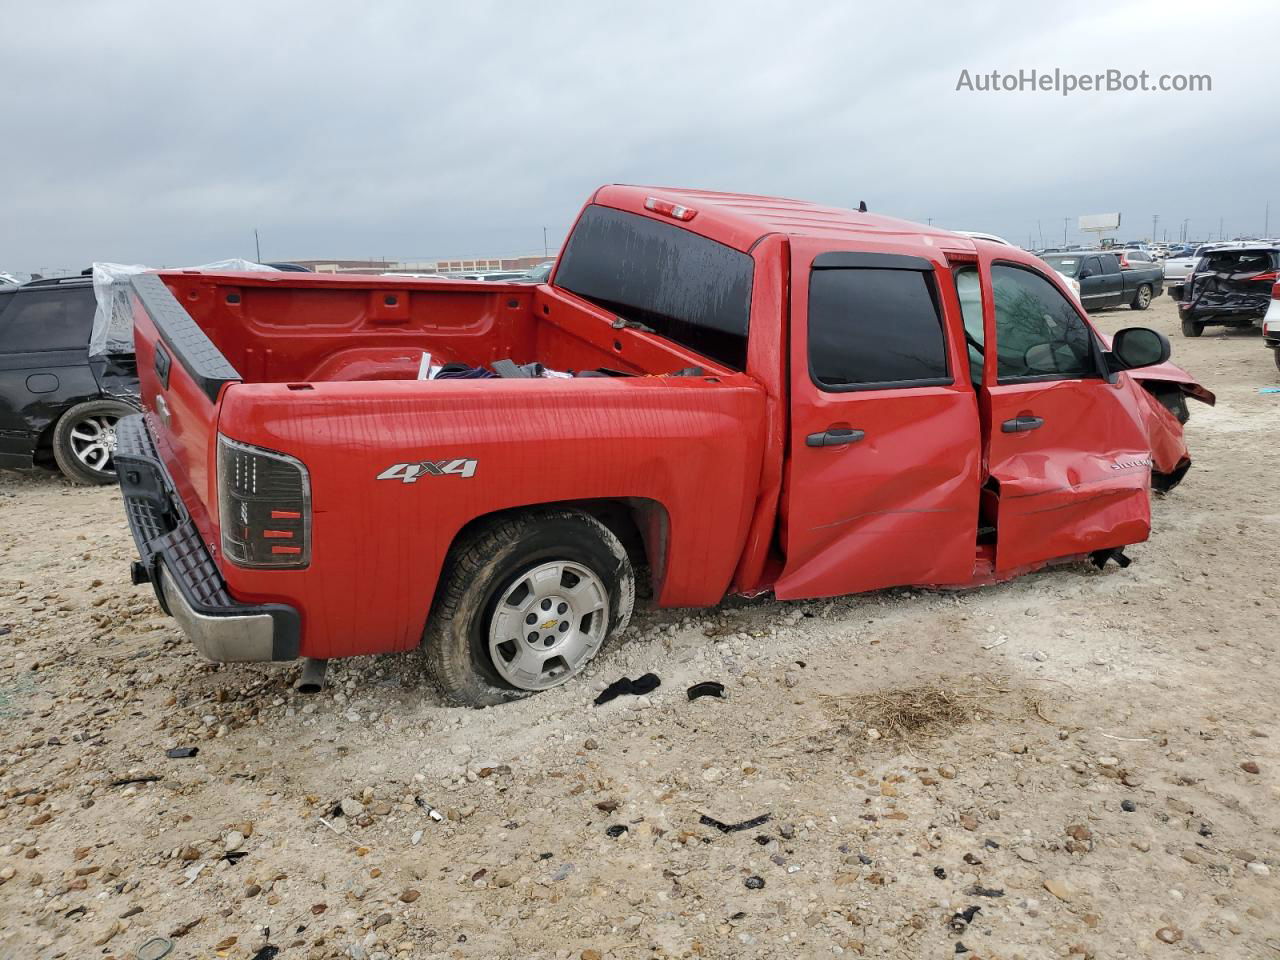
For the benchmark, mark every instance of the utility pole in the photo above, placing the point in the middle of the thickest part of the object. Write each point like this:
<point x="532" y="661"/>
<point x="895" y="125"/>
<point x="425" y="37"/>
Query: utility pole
<point x="1040" y="230"/>
<point x="1221" y="234"/>
<point x="546" y="250"/>
<point x="1186" y="232"/>
<point x="1065" y="221"/>
<point x="1155" y="218"/>
<point x="257" y="248"/>
<point x="1266" y="222"/>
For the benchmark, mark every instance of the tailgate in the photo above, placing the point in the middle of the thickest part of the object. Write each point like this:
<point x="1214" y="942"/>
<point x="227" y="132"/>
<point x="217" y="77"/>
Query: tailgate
<point x="182" y="374"/>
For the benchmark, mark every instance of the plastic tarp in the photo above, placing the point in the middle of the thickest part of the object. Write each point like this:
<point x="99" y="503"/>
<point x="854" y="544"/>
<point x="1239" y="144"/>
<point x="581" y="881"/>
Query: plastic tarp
<point x="113" y="319"/>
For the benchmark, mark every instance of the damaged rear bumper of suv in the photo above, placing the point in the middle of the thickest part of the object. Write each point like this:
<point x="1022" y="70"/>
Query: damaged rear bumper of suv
<point x="175" y="561"/>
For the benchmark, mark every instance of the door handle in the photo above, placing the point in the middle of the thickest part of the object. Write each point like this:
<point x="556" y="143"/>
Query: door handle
<point x="1022" y="424"/>
<point x="834" y="437"/>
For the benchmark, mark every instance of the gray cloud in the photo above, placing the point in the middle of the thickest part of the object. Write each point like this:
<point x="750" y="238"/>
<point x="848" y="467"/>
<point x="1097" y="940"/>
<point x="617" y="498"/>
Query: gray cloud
<point x="164" y="133"/>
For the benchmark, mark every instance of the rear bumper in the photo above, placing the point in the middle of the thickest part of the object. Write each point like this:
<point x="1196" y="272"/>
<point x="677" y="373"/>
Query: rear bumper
<point x="174" y="559"/>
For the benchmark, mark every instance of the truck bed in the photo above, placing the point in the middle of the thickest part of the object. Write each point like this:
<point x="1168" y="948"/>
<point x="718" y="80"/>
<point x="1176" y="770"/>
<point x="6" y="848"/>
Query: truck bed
<point x="282" y="328"/>
<point x="325" y="370"/>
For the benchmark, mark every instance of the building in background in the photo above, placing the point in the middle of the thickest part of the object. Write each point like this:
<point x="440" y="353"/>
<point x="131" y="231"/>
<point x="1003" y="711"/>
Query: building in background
<point x="463" y="265"/>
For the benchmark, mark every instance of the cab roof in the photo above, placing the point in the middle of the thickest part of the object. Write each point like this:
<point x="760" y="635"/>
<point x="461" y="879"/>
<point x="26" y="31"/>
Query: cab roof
<point x="739" y="220"/>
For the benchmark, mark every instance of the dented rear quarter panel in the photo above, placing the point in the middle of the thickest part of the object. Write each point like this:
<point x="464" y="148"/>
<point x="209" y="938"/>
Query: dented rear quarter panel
<point x="692" y="445"/>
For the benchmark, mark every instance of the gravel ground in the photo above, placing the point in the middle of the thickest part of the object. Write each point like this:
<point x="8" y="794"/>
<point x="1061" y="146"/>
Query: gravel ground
<point x="1080" y="763"/>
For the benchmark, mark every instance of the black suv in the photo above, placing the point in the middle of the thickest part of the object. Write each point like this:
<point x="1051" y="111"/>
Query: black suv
<point x="58" y="406"/>
<point x="1228" y="285"/>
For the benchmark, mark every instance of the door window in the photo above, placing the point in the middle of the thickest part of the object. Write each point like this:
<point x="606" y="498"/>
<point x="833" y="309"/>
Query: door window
<point x="37" y="320"/>
<point x="1094" y="266"/>
<point x="871" y="327"/>
<point x="1039" y="335"/>
<point x="969" y="293"/>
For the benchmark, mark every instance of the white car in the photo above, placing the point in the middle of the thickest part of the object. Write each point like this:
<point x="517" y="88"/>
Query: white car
<point x="1071" y="283"/>
<point x="8" y="278"/>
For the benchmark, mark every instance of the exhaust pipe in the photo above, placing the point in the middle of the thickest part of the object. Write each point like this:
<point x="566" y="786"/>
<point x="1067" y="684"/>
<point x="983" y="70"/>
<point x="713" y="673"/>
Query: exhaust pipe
<point x="312" y="679"/>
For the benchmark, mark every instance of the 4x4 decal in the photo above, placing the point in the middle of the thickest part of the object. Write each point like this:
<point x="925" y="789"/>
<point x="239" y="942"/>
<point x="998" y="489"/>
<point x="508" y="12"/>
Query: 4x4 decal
<point x="410" y="472"/>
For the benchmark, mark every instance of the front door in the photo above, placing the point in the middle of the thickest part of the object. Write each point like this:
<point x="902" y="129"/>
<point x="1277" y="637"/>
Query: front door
<point x="883" y="477"/>
<point x="1068" y="452"/>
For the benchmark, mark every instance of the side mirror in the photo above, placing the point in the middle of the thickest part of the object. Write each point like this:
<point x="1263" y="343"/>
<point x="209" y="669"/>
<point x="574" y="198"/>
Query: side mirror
<point x="1135" y="347"/>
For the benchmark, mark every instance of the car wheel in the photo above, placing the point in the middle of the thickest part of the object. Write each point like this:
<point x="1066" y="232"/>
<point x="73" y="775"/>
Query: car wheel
<point x="1276" y="356"/>
<point x="1142" y="299"/>
<point x="525" y="603"/>
<point x="84" y="441"/>
<point x="1192" y="328"/>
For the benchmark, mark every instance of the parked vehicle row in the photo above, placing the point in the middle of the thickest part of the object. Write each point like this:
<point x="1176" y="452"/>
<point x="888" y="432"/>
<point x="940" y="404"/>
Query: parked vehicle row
<point x="732" y="393"/>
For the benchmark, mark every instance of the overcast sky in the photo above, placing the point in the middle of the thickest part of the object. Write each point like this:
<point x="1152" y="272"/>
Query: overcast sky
<point x="163" y="133"/>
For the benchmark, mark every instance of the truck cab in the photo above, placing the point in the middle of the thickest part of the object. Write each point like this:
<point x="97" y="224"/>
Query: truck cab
<point x="736" y="394"/>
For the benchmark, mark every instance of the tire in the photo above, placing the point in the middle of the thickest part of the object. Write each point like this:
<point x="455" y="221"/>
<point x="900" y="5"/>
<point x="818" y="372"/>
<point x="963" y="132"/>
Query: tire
<point x="1191" y="328"/>
<point x="84" y="440"/>
<point x="1142" y="297"/>
<point x="1275" y="355"/>
<point x="474" y="655"/>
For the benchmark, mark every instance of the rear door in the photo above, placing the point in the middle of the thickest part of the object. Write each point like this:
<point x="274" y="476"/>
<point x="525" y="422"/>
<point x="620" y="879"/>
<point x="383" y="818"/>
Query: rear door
<point x="44" y="362"/>
<point x="882" y="476"/>
<point x="1068" y="453"/>
<point x="1112" y="286"/>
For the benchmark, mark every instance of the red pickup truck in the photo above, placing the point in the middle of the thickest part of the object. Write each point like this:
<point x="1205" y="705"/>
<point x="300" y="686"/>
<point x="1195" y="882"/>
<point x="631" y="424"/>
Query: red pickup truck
<point x="753" y="395"/>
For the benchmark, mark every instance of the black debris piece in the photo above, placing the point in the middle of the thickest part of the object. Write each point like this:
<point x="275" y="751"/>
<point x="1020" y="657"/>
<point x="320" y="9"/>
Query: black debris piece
<point x="1128" y="806"/>
<point x="754" y="883"/>
<point x="545" y="856"/>
<point x="707" y="688"/>
<point x="959" y="921"/>
<point x="625" y="686"/>
<point x="865" y="860"/>
<point x="978" y="890"/>
<point x="961" y="948"/>
<point x="267" y="953"/>
<point x="991" y="844"/>
<point x="764" y="839"/>
<point x="617" y="830"/>
<point x="739" y="915"/>
<point x="735" y="827"/>
<point x="234" y="856"/>
<point x="972" y="860"/>
<point x="181" y="753"/>
<point x="125" y="781"/>
<point x="940" y="873"/>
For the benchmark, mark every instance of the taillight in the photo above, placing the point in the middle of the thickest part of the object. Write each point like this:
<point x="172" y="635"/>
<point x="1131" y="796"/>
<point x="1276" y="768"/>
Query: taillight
<point x="264" y="506"/>
<point x="1124" y="262"/>
<point x="1275" y="291"/>
<point x="1269" y="277"/>
<point x="669" y="209"/>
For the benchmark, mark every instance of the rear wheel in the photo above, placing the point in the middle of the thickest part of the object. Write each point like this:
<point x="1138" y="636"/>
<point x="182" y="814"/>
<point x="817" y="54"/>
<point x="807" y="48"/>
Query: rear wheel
<point x="1191" y="328"/>
<point x="1142" y="299"/>
<point x="526" y="602"/>
<point x="84" y="441"/>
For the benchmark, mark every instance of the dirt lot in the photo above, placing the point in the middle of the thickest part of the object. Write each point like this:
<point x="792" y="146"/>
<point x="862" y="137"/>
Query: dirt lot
<point x="1088" y="757"/>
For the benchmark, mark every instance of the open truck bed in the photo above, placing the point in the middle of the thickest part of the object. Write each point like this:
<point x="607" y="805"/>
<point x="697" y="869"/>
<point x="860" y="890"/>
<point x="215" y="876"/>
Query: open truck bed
<point x="324" y="370"/>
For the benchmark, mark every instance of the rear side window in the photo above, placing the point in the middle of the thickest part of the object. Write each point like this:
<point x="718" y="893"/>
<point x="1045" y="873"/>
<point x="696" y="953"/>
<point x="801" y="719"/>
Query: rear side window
<point x="872" y="327"/>
<point x="685" y="287"/>
<point x="1039" y="335"/>
<point x="36" y="320"/>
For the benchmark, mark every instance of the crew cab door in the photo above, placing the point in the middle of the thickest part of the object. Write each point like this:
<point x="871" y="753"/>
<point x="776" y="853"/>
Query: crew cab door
<point x="882" y="477"/>
<point x="1068" y="453"/>
<point x="1112" y="286"/>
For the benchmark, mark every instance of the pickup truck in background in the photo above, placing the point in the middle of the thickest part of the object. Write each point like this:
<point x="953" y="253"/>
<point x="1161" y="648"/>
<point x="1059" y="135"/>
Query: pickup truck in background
<point x="753" y="394"/>
<point x="1104" y="282"/>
